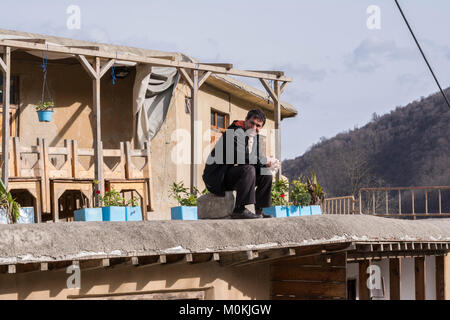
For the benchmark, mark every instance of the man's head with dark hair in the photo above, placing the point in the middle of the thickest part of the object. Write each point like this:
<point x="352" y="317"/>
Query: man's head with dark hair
<point x="256" y="119"/>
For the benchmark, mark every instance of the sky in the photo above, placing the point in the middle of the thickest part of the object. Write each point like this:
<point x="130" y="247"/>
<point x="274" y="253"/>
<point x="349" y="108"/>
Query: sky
<point x="342" y="71"/>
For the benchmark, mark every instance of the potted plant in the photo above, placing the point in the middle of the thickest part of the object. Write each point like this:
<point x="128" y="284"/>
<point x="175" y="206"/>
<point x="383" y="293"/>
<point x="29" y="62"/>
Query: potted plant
<point x="317" y="194"/>
<point x="133" y="210"/>
<point x="89" y="214"/>
<point x="114" y="207"/>
<point x="9" y="209"/>
<point x="45" y="111"/>
<point x="187" y="209"/>
<point x="280" y="191"/>
<point x="300" y="198"/>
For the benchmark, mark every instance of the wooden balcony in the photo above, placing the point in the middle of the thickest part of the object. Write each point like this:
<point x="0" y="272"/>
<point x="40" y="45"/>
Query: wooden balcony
<point x="59" y="180"/>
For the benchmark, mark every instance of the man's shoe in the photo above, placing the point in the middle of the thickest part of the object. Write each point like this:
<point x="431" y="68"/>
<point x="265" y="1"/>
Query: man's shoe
<point x="245" y="214"/>
<point x="261" y="214"/>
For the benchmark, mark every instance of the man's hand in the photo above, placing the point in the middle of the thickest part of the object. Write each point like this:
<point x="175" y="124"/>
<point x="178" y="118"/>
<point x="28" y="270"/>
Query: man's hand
<point x="273" y="163"/>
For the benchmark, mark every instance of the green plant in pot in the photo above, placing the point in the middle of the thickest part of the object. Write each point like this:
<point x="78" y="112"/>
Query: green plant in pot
<point x="316" y="192"/>
<point x="280" y="203"/>
<point x="9" y="208"/>
<point x="300" y="197"/>
<point x="187" y="209"/>
<point x="45" y="111"/>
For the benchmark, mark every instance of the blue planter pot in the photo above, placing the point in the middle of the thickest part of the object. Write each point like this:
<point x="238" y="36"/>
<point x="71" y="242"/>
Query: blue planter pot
<point x="184" y="213"/>
<point x="26" y="216"/>
<point x="133" y="214"/>
<point x="277" y="212"/>
<point x="316" y="210"/>
<point x="294" y="211"/>
<point x="45" y="115"/>
<point x="116" y="214"/>
<point x="89" y="214"/>
<point x="305" y="211"/>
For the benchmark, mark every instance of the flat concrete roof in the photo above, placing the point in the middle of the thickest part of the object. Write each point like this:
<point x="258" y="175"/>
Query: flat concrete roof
<point x="77" y="241"/>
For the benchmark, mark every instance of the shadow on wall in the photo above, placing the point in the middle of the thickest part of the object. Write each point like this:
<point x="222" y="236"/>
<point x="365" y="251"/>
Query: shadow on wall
<point x="252" y="281"/>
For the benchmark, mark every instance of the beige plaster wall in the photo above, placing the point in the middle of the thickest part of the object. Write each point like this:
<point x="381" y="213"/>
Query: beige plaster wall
<point x="243" y="283"/>
<point x="71" y="88"/>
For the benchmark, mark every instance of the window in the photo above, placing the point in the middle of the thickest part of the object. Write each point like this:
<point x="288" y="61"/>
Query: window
<point x="219" y="121"/>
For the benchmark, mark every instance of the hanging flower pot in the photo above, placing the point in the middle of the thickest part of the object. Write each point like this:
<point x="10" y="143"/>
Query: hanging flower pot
<point x="45" y="111"/>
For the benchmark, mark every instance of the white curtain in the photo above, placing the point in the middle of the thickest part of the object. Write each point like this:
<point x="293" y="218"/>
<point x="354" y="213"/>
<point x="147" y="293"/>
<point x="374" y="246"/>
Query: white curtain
<point x="153" y="91"/>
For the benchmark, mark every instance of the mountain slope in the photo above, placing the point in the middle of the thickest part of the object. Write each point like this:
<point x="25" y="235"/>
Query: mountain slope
<point x="408" y="147"/>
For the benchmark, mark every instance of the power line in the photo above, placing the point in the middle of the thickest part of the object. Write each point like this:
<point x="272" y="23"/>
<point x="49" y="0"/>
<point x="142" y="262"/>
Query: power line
<point x="423" y="54"/>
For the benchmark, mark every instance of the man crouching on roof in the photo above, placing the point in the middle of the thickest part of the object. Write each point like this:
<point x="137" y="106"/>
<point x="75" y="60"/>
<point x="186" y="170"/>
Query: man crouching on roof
<point x="236" y="163"/>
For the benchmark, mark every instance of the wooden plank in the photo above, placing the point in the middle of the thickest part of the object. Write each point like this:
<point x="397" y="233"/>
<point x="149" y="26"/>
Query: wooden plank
<point x="186" y="77"/>
<point x="204" y="78"/>
<point x="277" y="73"/>
<point x="74" y="146"/>
<point x="106" y="67"/>
<point x="98" y="146"/>
<point x="419" y="275"/>
<point x="93" y="73"/>
<point x="440" y="278"/>
<point x="12" y="269"/>
<point x="269" y="90"/>
<point x="40" y="41"/>
<point x="277" y="116"/>
<point x="283" y="87"/>
<point x="308" y="273"/>
<point x="140" y="59"/>
<point x="196" y="144"/>
<point x="17" y="159"/>
<point x="227" y="66"/>
<point x="394" y="278"/>
<point x="364" y="293"/>
<point x="148" y="174"/>
<point x="5" y="117"/>
<point x="318" y="289"/>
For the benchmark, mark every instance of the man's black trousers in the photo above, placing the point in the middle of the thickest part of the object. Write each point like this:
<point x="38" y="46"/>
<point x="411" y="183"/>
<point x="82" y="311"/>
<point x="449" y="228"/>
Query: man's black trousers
<point x="244" y="179"/>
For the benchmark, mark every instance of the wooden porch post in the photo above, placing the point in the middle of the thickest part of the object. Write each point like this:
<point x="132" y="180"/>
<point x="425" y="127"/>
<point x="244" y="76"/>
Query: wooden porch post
<point x="194" y="132"/>
<point x="364" y="293"/>
<point x="98" y="150"/>
<point x="96" y="72"/>
<point x="443" y="277"/>
<point x="6" y="68"/>
<point x="277" y="115"/>
<point x="395" y="267"/>
<point x="419" y="274"/>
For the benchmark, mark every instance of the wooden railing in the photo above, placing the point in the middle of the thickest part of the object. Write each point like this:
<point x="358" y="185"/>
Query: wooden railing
<point x="394" y="202"/>
<point x="340" y="205"/>
<point x="72" y="162"/>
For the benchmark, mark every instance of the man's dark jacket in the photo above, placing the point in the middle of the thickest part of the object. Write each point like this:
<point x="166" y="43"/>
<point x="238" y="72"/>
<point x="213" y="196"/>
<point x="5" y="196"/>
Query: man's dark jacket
<point x="215" y="170"/>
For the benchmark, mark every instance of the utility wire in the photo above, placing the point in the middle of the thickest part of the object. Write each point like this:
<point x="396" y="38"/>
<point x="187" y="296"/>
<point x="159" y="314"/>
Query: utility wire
<point x="423" y="54"/>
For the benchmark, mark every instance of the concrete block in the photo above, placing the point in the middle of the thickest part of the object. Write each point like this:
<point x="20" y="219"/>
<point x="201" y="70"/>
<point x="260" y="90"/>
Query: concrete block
<point x="211" y="206"/>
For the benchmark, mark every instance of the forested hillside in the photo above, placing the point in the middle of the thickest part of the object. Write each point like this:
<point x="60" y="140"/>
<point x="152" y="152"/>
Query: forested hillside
<point x="408" y="147"/>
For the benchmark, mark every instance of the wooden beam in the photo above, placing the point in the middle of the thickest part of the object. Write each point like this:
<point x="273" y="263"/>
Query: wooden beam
<point x="196" y="142"/>
<point x="12" y="269"/>
<point x="98" y="145"/>
<point x="106" y="67"/>
<point x="269" y="256"/>
<point x="364" y="293"/>
<point x="96" y="48"/>
<point x="5" y="117"/>
<point x="94" y="74"/>
<point x="204" y="78"/>
<point x="276" y="73"/>
<point x="283" y="87"/>
<point x="40" y="41"/>
<point x="419" y="275"/>
<point x="227" y="66"/>
<point x="140" y="59"/>
<point x="395" y="267"/>
<point x="186" y="77"/>
<point x="269" y="90"/>
<point x="151" y="261"/>
<point x="440" y="278"/>
<point x="277" y="116"/>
